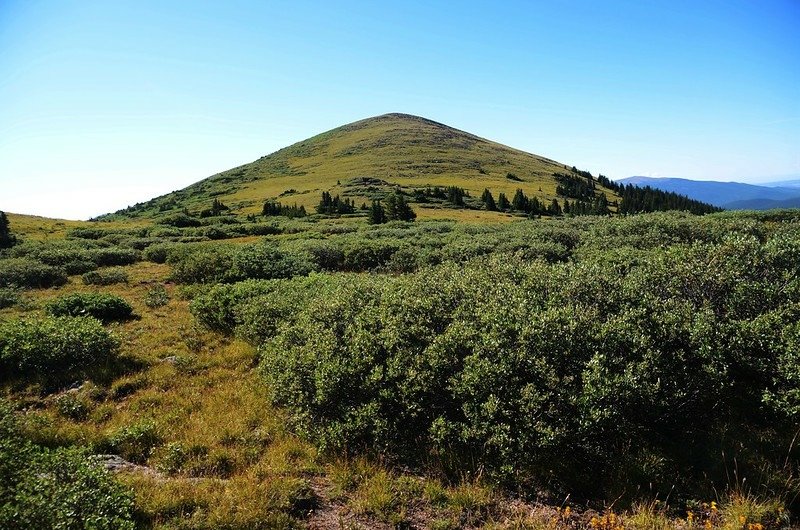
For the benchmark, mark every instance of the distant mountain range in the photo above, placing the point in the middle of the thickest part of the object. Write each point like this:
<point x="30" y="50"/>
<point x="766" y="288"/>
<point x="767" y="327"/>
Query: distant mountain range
<point x="728" y="195"/>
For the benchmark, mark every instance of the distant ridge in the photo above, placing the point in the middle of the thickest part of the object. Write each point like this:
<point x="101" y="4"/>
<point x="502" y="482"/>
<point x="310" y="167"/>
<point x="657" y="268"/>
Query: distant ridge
<point x="729" y="195"/>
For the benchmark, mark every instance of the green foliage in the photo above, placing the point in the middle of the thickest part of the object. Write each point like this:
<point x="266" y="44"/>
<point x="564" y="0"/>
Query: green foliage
<point x="102" y="306"/>
<point x="8" y="297"/>
<point x="50" y="346"/>
<point x="377" y="215"/>
<point x="159" y="253"/>
<point x="136" y="442"/>
<point x="335" y="205"/>
<point x="56" y="489"/>
<point x="510" y="364"/>
<point x="397" y="209"/>
<point x="224" y="263"/>
<point x="104" y="257"/>
<point x="157" y="296"/>
<point x="7" y="239"/>
<point x="108" y="276"/>
<point x="272" y="208"/>
<point x="488" y="200"/>
<point x="25" y="272"/>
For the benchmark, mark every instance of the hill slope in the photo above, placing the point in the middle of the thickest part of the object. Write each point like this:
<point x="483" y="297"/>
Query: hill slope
<point x="731" y="195"/>
<point x="399" y="149"/>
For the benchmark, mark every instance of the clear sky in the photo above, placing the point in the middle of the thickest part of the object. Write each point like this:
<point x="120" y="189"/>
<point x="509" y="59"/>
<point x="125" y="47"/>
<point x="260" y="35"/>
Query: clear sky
<point x="107" y="103"/>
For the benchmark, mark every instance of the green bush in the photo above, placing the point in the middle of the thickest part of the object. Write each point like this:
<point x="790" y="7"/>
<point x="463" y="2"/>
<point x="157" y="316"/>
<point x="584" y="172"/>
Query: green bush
<point x="104" y="257"/>
<point x="79" y="267"/>
<point x="105" y="276"/>
<point x="157" y="296"/>
<point x="56" y="489"/>
<point x="50" y="346"/>
<point x="102" y="306"/>
<point x="510" y="365"/>
<point x="228" y="264"/>
<point x="25" y="272"/>
<point x="8" y="297"/>
<point x="136" y="442"/>
<point x="159" y="252"/>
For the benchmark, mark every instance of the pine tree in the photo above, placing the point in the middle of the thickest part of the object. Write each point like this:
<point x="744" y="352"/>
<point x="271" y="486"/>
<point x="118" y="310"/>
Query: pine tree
<point x="397" y="209"/>
<point x="7" y="239"/>
<point x="554" y="208"/>
<point x="376" y="213"/>
<point x="502" y="202"/>
<point x="488" y="200"/>
<point x="520" y="201"/>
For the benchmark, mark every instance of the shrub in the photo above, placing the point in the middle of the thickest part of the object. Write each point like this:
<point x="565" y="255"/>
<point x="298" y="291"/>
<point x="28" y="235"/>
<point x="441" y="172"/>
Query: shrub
<point x="25" y="272"/>
<point x="180" y="220"/>
<point x="511" y="365"/>
<point x="136" y="442"/>
<point x="70" y="405"/>
<point x="102" y="306"/>
<point x="105" y="277"/>
<point x="114" y="256"/>
<point x="53" y="345"/>
<point x="79" y="267"/>
<point x="8" y="297"/>
<point x="228" y="264"/>
<point x="62" y="488"/>
<point x="157" y="296"/>
<point x="159" y="253"/>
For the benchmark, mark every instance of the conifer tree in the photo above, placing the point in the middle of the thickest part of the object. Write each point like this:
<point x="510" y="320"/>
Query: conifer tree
<point x="488" y="200"/>
<point x="376" y="213"/>
<point x="7" y="239"/>
<point x="502" y="202"/>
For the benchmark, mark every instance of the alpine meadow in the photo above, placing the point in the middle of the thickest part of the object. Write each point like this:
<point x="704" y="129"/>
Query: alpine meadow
<point x="399" y="324"/>
<point x="399" y="265"/>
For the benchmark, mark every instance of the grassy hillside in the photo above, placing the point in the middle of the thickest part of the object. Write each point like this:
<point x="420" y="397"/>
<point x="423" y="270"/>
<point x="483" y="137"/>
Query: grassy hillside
<point x="398" y="149"/>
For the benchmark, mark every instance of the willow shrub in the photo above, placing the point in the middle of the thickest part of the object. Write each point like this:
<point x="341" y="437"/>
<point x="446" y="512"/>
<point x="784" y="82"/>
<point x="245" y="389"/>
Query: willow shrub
<point x="576" y="377"/>
<point x="26" y="272"/>
<point x="58" y="488"/>
<point x="213" y="263"/>
<point x="51" y="346"/>
<point x="102" y="306"/>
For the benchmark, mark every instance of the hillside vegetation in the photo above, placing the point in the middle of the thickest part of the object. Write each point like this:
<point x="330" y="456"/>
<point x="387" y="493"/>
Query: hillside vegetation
<point x="636" y="371"/>
<point x="398" y="149"/>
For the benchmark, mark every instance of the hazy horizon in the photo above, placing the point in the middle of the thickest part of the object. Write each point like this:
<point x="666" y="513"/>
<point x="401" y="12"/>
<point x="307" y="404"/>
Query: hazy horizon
<point x="103" y="106"/>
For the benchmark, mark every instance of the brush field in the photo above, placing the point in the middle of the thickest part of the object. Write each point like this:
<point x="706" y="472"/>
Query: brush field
<point x="590" y="372"/>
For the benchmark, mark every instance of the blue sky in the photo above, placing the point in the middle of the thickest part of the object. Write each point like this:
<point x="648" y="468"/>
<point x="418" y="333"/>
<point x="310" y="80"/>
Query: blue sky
<point x="104" y="104"/>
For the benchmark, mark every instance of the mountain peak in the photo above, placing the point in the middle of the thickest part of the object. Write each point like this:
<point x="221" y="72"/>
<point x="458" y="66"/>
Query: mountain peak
<point x="397" y="149"/>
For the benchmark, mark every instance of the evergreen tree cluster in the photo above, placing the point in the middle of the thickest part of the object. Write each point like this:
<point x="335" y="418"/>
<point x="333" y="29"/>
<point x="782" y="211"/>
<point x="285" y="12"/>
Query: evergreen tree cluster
<point x="520" y="203"/>
<point x="647" y="199"/>
<point x="599" y="205"/>
<point x="396" y="209"/>
<point x="452" y="194"/>
<point x="274" y="208"/>
<point x="217" y="208"/>
<point x="335" y="205"/>
<point x="575" y="186"/>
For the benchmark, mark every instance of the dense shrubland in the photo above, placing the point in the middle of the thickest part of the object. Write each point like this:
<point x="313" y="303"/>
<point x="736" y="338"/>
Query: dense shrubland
<point x="56" y="488"/>
<point x="591" y="357"/>
<point x="627" y="357"/>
